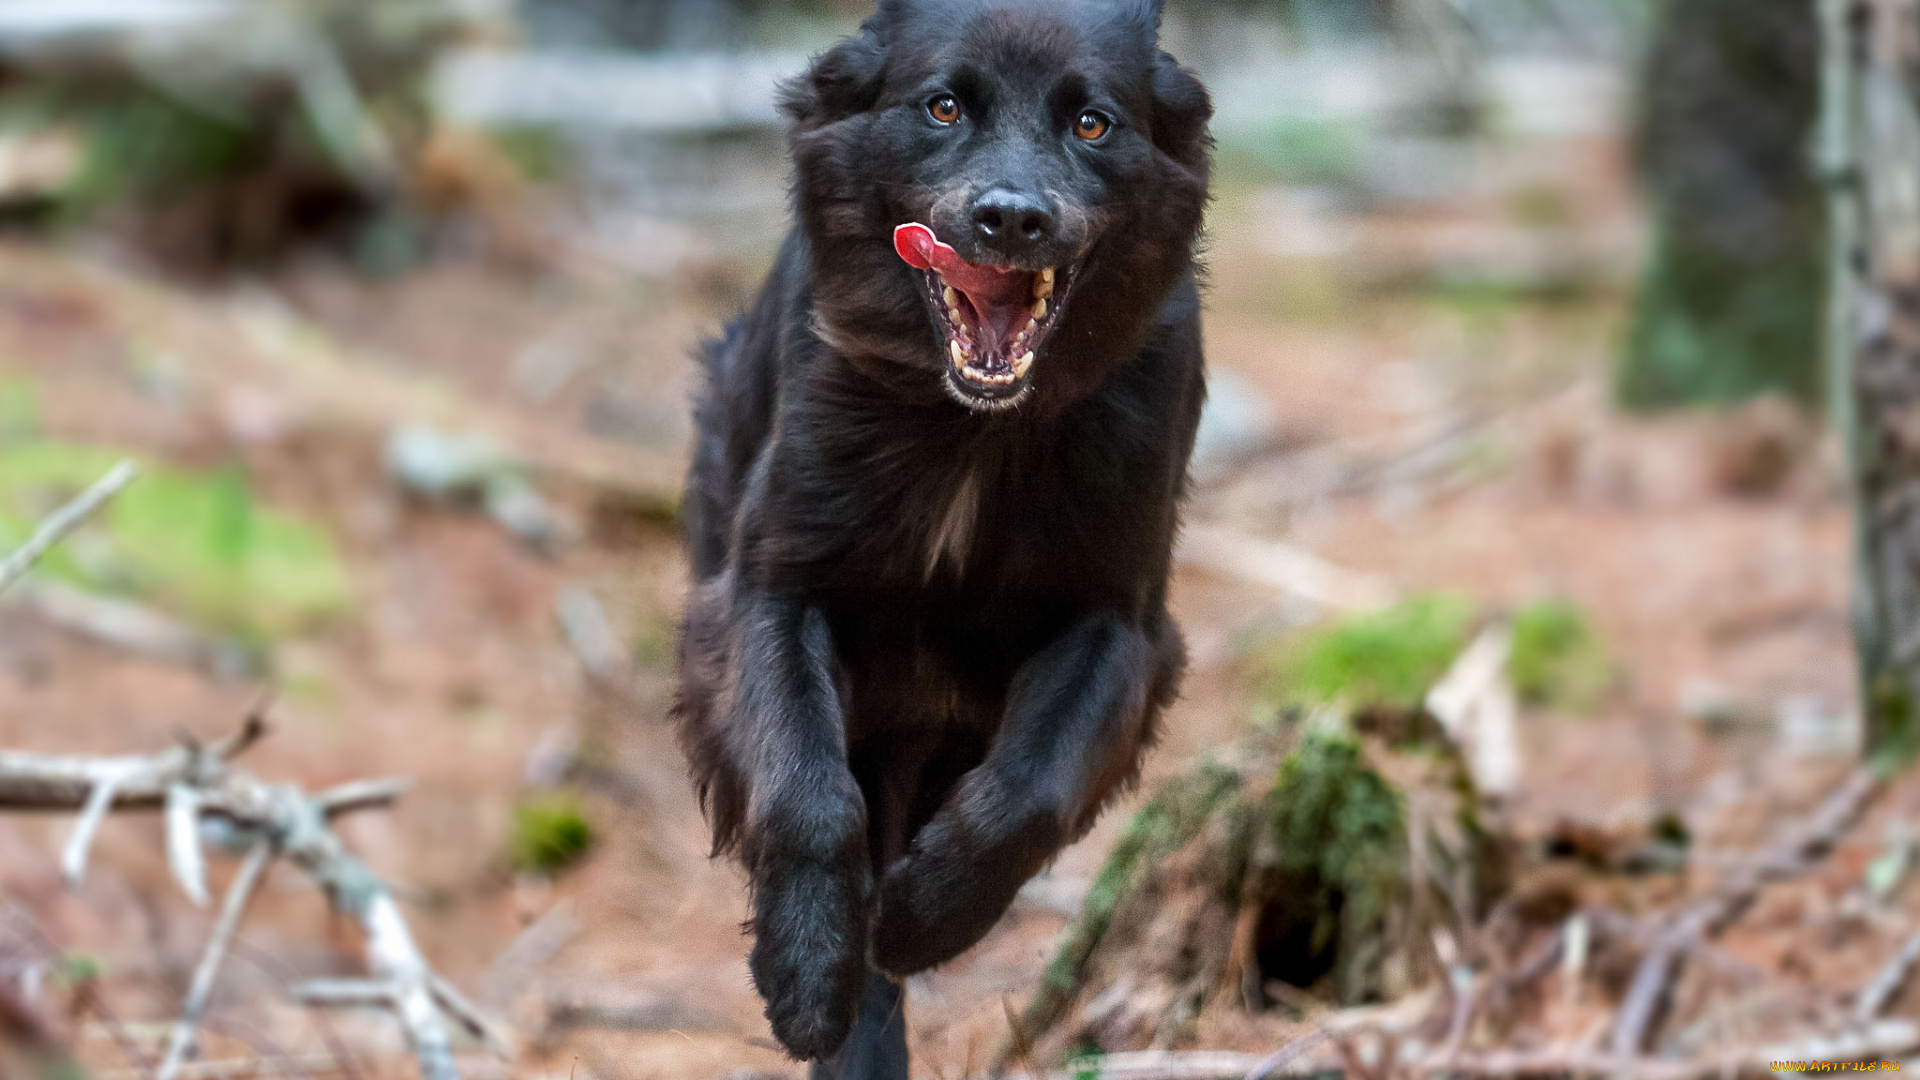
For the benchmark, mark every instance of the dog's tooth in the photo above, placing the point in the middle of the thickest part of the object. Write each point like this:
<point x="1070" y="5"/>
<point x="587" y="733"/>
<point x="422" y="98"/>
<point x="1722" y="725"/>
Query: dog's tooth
<point x="1032" y="325"/>
<point x="1021" y="363"/>
<point x="952" y="298"/>
<point x="1040" y="309"/>
<point x="1043" y="285"/>
<point x="959" y="354"/>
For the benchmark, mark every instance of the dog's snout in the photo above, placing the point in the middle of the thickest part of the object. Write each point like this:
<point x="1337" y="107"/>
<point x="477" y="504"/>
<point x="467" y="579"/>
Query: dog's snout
<point x="1012" y="222"/>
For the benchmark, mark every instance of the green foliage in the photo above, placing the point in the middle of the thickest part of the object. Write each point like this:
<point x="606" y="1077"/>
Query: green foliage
<point x="1388" y="657"/>
<point x="550" y="833"/>
<point x="192" y="542"/>
<point x="1340" y="829"/>
<point x="1557" y="660"/>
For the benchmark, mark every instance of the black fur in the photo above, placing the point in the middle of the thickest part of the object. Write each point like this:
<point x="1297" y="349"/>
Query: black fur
<point x="929" y="640"/>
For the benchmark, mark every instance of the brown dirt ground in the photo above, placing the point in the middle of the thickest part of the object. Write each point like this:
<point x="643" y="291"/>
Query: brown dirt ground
<point x="451" y="668"/>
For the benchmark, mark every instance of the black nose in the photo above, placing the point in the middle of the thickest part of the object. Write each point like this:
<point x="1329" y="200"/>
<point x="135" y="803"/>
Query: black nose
<point x="1012" y="222"/>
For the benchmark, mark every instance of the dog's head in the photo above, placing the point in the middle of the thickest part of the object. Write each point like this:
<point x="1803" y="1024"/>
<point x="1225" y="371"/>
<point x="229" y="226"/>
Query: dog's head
<point x="1057" y="161"/>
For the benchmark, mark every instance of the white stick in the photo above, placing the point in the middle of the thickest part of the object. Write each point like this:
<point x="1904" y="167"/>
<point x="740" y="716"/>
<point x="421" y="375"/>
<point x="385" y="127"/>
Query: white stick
<point x="184" y="856"/>
<point x="73" y="858"/>
<point x="64" y="520"/>
<point x="393" y="955"/>
<point x="231" y="909"/>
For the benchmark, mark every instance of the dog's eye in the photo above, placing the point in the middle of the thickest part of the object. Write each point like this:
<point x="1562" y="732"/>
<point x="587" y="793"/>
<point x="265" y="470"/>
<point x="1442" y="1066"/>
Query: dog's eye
<point x="1092" y="126"/>
<point x="944" y="109"/>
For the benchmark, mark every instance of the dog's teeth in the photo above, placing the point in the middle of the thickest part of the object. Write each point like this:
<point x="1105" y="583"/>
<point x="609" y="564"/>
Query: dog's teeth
<point x="959" y="354"/>
<point x="1046" y="275"/>
<point x="1021" y="363"/>
<point x="1043" y="285"/>
<point x="1032" y="325"/>
<point x="952" y="298"/>
<point x="1039" y="309"/>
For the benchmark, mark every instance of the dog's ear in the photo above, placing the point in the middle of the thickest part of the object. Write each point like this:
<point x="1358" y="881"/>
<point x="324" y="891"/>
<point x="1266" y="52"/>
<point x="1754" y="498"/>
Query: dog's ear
<point x="840" y="82"/>
<point x="1181" y="109"/>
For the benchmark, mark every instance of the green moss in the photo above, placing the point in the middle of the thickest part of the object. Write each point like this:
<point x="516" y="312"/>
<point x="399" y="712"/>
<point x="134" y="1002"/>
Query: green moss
<point x="1892" y="742"/>
<point x="550" y="834"/>
<point x="1557" y="660"/>
<point x="1165" y="823"/>
<point x="1340" y="830"/>
<point x="193" y="542"/>
<point x="1388" y="657"/>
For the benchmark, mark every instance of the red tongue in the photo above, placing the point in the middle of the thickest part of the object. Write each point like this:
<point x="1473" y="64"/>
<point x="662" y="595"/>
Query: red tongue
<point x="983" y="284"/>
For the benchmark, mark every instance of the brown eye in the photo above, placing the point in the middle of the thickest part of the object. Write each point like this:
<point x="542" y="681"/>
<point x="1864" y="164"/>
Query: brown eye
<point x="944" y="109"/>
<point x="1091" y="126"/>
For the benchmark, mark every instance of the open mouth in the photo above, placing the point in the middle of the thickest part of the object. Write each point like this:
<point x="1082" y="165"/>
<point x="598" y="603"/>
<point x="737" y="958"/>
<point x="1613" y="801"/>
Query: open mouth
<point x="995" y="318"/>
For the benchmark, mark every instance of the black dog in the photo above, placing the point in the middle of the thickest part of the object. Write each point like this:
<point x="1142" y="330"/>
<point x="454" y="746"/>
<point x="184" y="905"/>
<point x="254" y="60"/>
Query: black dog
<point x="936" y="487"/>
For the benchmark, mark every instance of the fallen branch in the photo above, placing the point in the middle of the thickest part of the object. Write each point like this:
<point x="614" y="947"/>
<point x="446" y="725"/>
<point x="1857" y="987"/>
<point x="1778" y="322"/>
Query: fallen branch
<point x="1882" y="1040"/>
<point x="284" y="823"/>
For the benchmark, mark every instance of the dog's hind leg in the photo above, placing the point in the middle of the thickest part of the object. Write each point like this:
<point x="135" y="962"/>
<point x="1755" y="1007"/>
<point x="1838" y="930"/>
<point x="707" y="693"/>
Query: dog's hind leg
<point x="877" y="1047"/>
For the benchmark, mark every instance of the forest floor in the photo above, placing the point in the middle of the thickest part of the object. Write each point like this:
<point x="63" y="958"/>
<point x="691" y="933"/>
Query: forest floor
<point x="1451" y="437"/>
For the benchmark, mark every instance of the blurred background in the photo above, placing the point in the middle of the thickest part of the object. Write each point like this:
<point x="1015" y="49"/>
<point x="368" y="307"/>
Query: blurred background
<point x="1514" y="323"/>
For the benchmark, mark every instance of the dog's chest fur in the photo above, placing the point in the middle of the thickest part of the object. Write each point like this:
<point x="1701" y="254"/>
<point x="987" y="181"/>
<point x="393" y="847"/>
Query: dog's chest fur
<point x="951" y="537"/>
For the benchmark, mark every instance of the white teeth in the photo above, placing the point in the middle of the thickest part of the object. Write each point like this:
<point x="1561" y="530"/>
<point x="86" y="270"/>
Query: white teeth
<point x="1032" y="325"/>
<point x="952" y="298"/>
<point x="1021" y="363"/>
<point x="959" y="354"/>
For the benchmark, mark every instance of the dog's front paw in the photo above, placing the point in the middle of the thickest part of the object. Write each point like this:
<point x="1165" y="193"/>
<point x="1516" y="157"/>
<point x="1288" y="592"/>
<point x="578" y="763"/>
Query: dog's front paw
<point x="919" y="921"/>
<point x="949" y="890"/>
<point x="808" y="959"/>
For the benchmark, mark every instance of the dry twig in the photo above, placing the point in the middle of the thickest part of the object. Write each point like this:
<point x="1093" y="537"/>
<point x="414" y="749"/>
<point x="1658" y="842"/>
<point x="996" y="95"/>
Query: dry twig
<point x="1646" y="995"/>
<point x="1888" y="982"/>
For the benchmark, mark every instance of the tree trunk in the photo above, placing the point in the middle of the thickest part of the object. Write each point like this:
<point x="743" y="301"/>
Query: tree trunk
<point x="1870" y="149"/>
<point x="1729" y="302"/>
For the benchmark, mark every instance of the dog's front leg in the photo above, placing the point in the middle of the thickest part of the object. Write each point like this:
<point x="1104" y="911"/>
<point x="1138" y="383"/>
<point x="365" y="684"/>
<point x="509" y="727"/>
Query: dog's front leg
<point x="1078" y="715"/>
<point x="805" y="837"/>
